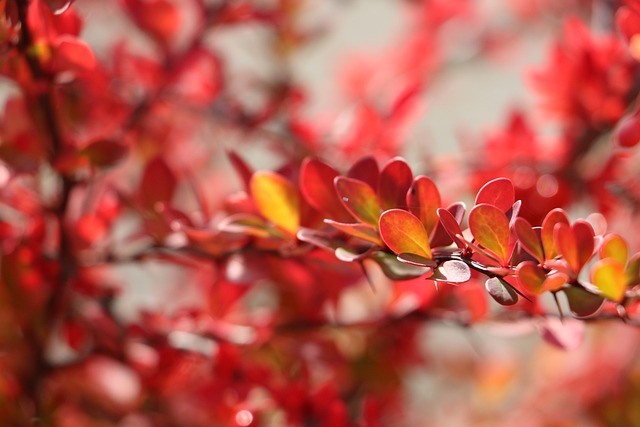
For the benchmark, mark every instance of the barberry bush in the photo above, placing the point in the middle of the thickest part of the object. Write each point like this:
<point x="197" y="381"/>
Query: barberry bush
<point x="184" y="242"/>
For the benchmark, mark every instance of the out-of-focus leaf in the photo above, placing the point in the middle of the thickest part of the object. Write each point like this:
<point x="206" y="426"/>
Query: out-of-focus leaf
<point x="528" y="238"/>
<point x="316" y="185"/>
<point x="404" y="233"/>
<point x="158" y="184"/>
<point x="609" y="277"/>
<point x="396" y="270"/>
<point x="241" y="167"/>
<point x="247" y="224"/>
<point x="556" y="216"/>
<point x="363" y="231"/>
<point x="347" y="255"/>
<point x="502" y="292"/>
<point x="73" y="54"/>
<point x="104" y="153"/>
<point x="366" y="170"/>
<point x="395" y="180"/>
<point x="423" y="200"/>
<point x="583" y="303"/>
<point x="566" y="334"/>
<point x="614" y="246"/>
<point x="633" y="270"/>
<point x="276" y="199"/>
<point x="498" y="192"/>
<point x="490" y="227"/>
<point x="359" y="199"/>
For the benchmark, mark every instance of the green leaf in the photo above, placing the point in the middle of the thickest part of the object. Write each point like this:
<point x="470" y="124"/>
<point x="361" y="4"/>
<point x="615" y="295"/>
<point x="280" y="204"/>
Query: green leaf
<point x="582" y="303"/>
<point x="490" y="227"/>
<point x="402" y="232"/>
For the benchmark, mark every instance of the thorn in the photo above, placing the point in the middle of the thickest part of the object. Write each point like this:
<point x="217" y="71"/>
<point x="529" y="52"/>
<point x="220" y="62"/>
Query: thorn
<point x="555" y="298"/>
<point x="366" y="275"/>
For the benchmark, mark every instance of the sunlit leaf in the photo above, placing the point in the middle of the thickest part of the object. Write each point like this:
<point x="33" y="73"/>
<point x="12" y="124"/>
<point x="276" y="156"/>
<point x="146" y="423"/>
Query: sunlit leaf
<point x="556" y="216"/>
<point x="363" y="231"/>
<point x="395" y="180"/>
<point x="614" y="246"/>
<point x="609" y="277"/>
<point x="246" y="224"/>
<point x="490" y="228"/>
<point x="276" y="199"/>
<point x="575" y="243"/>
<point x="316" y="185"/>
<point x="404" y="233"/>
<point x="528" y="238"/>
<point x="502" y="292"/>
<point x="359" y="199"/>
<point x="583" y="303"/>
<point x="423" y="200"/>
<point x="498" y="192"/>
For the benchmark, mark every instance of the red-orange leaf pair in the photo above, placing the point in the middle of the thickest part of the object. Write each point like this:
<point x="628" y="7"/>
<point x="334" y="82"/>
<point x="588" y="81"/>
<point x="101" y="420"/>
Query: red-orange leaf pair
<point x="574" y="243"/>
<point x="534" y="279"/>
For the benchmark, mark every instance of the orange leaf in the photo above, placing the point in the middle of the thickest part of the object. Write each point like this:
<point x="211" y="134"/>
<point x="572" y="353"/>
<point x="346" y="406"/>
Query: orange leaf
<point x="556" y="216"/>
<point x="490" y="227"/>
<point x="276" y="199"/>
<point x="498" y="192"/>
<point x="395" y="180"/>
<point x="404" y="233"/>
<point x="614" y="246"/>
<point x="359" y="199"/>
<point x="423" y="200"/>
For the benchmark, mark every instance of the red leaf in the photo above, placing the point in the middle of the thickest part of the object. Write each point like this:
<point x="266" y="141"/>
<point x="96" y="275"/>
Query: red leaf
<point x="627" y="132"/>
<point x="440" y="236"/>
<point x="158" y="184"/>
<point x="450" y="226"/>
<point x="575" y="243"/>
<point x="241" y="168"/>
<point x="423" y="200"/>
<point x="359" y="199"/>
<point x="402" y="232"/>
<point x="366" y="170"/>
<point x="490" y="227"/>
<point x="498" y="192"/>
<point x="395" y="180"/>
<point x="316" y="185"/>
<point x="276" y="199"/>
<point x="528" y="238"/>
<point x="73" y="54"/>
<point x="556" y="216"/>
